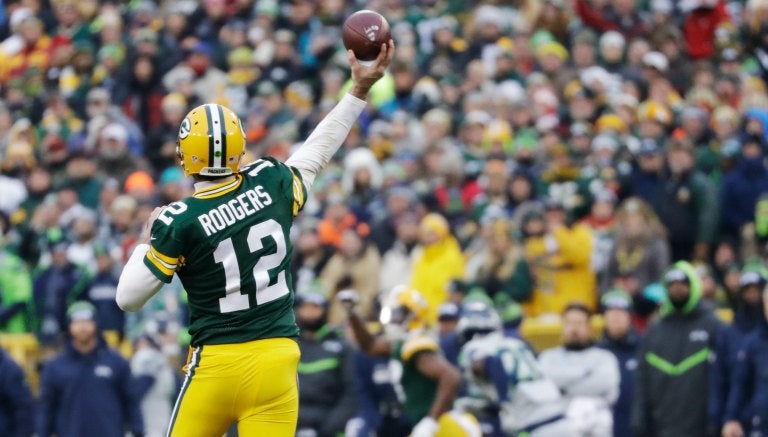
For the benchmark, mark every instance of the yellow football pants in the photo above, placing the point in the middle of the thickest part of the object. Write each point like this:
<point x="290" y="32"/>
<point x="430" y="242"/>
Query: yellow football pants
<point x="252" y="383"/>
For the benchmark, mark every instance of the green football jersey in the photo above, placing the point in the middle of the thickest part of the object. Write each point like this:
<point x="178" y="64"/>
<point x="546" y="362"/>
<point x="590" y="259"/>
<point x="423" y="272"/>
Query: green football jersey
<point x="419" y="390"/>
<point x="230" y="246"/>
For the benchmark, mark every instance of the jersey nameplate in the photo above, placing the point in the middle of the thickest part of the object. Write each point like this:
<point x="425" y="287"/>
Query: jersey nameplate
<point x="227" y="214"/>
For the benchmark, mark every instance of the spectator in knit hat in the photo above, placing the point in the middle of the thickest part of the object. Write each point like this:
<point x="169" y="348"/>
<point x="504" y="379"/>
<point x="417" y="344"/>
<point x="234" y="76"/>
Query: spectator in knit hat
<point x="621" y="339"/>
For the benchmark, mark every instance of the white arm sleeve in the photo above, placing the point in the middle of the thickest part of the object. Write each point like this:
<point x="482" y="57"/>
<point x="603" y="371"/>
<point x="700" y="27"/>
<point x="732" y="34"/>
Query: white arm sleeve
<point x="137" y="283"/>
<point x="326" y="139"/>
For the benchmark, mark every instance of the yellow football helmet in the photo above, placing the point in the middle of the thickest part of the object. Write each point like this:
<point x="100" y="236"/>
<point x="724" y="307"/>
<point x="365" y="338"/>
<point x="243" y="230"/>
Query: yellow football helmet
<point x="211" y="141"/>
<point x="458" y="424"/>
<point x="404" y="307"/>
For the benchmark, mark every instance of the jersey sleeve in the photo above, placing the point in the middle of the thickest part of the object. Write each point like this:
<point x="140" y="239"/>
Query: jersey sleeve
<point x="414" y="345"/>
<point x="164" y="252"/>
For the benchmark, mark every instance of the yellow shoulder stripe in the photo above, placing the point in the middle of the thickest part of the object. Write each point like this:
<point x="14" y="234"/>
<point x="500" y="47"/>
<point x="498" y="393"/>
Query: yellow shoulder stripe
<point x="418" y="344"/>
<point x="219" y="189"/>
<point x="298" y="193"/>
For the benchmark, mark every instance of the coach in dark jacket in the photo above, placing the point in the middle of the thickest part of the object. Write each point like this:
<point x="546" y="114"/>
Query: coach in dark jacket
<point x="87" y="391"/>
<point x="622" y="340"/>
<point x="16" y="405"/>
<point x="326" y="374"/>
<point x="747" y="411"/>
<point x="746" y="318"/>
<point x="672" y="385"/>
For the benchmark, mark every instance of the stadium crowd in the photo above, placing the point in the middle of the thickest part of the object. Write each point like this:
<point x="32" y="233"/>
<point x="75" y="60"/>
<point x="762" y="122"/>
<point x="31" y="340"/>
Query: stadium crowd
<point x="556" y="158"/>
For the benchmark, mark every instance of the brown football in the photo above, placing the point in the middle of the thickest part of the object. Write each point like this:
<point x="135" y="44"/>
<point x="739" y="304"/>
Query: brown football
<point x="364" y="32"/>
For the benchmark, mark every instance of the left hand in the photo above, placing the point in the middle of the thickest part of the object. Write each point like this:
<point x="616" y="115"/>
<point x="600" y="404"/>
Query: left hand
<point x="145" y="233"/>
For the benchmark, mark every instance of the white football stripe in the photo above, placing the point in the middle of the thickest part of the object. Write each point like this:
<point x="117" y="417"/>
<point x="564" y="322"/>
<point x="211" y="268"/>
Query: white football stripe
<point x="218" y="161"/>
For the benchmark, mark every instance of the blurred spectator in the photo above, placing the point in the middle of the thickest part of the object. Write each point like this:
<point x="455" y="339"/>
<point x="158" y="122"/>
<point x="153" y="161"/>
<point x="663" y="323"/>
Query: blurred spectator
<point x="161" y="141"/>
<point x="399" y="203"/>
<point x="54" y="289"/>
<point x="310" y="256"/>
<point x="17" y="406"/>
<point x="81" y="176"/>
<point x="621" y="339"/>
<point x="397" y="262"/>
<point x="355" y="265"/>
<point x="500" y="267"/>
<point x="207" y="80"/>
<point x="640" y="252"/>
<point x="155" y="382"/>
<point x="31" y="48"/>
<point x="672" y="390"/>
<point x="602" y="224"/>
<point x="747" y="402"/>
<point x="88" y="389"/>
<point x="687" y="205"/>
<point x="438" y="261"/>
<point x="140" y="93"/>
<point x="15" y="287"/>
<point x="326" y="384"/>
<point x="447" y="319"/>
<point x="361" y="181"/>
<point x="101" y="293"/>
<point x="81" y="250"/>
<point x="587" y="376"/>
<point x="558" y="254"/>
<point x="114" y="156"/>
<point x="747" y="316"/>
<point x="742" y="186"/>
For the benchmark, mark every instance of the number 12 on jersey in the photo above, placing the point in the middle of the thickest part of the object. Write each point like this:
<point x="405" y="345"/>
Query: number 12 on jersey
<point x="225" y="254"/>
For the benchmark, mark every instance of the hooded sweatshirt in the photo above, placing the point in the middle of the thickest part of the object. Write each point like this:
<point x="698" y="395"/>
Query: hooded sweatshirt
<point x="672" y="388"/>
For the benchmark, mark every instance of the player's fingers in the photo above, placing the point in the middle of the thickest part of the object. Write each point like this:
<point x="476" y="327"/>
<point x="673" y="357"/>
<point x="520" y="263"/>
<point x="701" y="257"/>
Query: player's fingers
<point x="156" y="212"/>
<point x="351" y="58"/>
<point x="390" y="52"/>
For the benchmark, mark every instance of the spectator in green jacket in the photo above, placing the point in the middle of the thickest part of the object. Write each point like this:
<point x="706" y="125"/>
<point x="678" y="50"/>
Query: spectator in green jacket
<point x="15" y="287"/>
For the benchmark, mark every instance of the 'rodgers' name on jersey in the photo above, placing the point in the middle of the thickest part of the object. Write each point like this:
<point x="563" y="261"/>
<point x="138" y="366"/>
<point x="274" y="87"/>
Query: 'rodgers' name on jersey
<point x="227" y="214"/>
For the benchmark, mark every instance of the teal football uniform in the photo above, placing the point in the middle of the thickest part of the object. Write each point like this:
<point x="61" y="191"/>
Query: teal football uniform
<point x="229" y="244"/>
